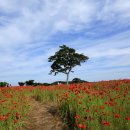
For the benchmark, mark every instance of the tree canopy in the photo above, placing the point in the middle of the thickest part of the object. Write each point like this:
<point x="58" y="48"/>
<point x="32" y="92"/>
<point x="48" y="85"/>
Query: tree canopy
<point x="65" y="59"/>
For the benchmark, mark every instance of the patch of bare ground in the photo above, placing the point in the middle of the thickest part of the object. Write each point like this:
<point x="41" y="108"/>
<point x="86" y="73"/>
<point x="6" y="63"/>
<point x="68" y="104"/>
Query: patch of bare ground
<point x="44" y="117"/>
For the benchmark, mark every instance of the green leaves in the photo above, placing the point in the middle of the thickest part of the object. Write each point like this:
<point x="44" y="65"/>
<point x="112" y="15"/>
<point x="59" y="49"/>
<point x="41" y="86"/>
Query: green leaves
<point x="65" y="59"/>
<point x="3" y="84"/>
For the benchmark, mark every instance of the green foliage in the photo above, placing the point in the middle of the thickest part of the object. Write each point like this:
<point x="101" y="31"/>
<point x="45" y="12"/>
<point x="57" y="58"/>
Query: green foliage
<point x="37" y="84"/>
<point x="92" y="105"/>
<point x="32" y="83"/>
<point x="46" y="84"/>
<point x="29" y="82"/>
<point x="21" y="83"/>
<point x="41" y="84"/>
<point x="65" y="59"/>
<point x="77" y="80"/>
<point x="14" y="107"/>
<point x="3" y="84"/>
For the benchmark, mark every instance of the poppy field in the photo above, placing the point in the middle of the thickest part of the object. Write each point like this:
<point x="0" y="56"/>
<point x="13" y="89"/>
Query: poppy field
<point x="103" y="105"/>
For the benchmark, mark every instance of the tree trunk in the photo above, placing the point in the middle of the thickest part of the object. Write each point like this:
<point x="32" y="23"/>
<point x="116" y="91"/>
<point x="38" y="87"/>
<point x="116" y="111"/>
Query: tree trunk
<point x="67" y="82"/>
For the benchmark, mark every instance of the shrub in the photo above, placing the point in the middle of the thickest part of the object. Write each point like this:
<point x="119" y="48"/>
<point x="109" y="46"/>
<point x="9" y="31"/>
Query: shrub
<point x="3" y="84"/>
<point x="29" y="82"/>
<point x="46" y="84"/>
<point x="77" y="80"/>
<point x="21" y="83"/>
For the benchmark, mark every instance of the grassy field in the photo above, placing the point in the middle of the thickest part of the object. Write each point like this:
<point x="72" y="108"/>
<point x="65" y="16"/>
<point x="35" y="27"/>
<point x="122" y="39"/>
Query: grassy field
<point x="101" y="105"/>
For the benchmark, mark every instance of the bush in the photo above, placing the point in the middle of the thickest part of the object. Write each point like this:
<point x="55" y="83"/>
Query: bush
<point x="21" y="83"/>
<point x="37" y="84"/>
<point x="77" y="80"/>
<point x="3" y="84"/>
<point x="29" y="82"/>
<point x="46" y="84"/>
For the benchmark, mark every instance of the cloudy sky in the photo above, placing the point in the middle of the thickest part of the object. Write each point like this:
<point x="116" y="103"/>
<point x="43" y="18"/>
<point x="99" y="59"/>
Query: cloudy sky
<point x="32" y="30"/>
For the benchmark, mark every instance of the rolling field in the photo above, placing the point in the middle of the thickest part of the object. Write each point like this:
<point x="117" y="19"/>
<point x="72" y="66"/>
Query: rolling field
<point x="101" y="105"/>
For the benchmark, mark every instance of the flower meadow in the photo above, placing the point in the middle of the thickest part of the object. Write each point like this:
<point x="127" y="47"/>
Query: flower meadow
<point x="103" y="105"/>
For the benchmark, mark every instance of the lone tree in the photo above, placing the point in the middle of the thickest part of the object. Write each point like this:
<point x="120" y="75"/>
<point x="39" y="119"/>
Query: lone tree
<point x="65" y="59"/>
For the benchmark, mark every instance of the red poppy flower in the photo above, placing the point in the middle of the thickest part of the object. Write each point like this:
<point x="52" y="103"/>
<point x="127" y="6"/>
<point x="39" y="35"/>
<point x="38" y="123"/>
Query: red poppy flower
<point x="101" y="107"/>
<point x="82" y="126"/>
<point x="117" y="115"/>
<point x="15" y="121"/>
<point x="106" y="123"/>
<point x="77" y="116"/>
<point x="127" y="118"/>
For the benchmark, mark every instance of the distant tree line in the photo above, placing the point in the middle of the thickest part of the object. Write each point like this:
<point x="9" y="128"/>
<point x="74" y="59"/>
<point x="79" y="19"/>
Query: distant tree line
<point x="32" y="83"/>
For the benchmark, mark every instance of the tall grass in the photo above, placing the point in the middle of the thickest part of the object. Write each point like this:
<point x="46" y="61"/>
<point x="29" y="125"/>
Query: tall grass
<point x="97" y="106"/>
<point x="92" y="106"/>
<point x="14" y="107"/>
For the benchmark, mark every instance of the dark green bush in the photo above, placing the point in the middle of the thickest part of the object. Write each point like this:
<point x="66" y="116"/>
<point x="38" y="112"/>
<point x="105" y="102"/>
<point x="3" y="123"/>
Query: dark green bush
<point x="77" y="80"/>
<point x="21" y="83"/>
<point x="29" y="82"/>
<point x="3" y="84"/>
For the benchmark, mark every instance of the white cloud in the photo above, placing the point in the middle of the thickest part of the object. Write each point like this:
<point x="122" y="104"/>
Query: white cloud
<point x="28" y="26"/>
<point x="114" y="11"/>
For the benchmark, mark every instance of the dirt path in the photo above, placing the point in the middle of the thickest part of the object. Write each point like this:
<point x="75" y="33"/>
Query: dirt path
<point x="44" y="117"/>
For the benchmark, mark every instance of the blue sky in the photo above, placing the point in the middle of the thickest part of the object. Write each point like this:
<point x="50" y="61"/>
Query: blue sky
<point x="31" y="31"/>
